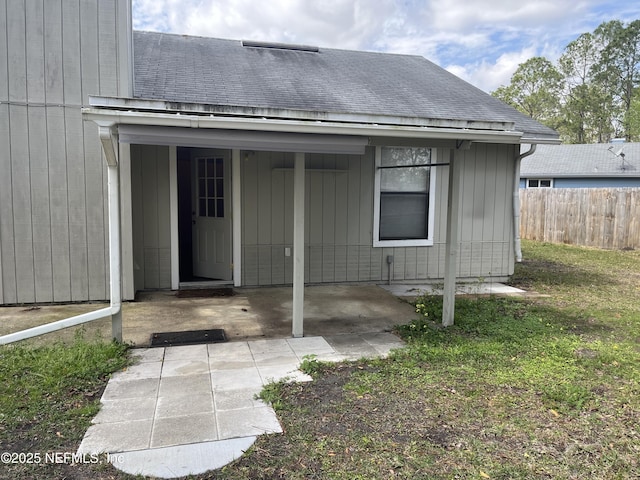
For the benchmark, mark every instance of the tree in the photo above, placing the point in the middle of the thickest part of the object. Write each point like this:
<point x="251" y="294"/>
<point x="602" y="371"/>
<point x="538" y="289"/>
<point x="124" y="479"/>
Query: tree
<point x="534" y="90"/>
<point x="619" y="67"/>
<point x="587" y="105"/>
<point x="594" y="92"/>
<point x="633" y="117"/>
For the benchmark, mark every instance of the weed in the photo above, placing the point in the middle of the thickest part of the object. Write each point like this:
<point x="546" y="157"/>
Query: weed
<point x="310" y="365"/>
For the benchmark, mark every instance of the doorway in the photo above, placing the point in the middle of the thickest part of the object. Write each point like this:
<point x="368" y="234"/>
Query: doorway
<point x="204" y="215"/>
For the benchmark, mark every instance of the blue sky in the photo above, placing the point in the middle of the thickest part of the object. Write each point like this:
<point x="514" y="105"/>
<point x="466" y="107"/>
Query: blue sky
<point x="481" y="41"/>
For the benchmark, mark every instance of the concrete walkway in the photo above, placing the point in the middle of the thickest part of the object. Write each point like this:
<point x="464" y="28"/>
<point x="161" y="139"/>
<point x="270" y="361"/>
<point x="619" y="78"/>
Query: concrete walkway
<point x="186" y="410"/>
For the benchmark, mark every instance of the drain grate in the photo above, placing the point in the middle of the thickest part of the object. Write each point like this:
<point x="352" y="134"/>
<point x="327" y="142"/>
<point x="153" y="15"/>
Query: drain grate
<point x="190" y="337"/>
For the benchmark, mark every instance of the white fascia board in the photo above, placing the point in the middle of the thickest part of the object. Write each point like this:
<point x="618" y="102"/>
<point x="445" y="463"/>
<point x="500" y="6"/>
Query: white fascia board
<point x="183" y="108"/>
<point x="298" y="126"/>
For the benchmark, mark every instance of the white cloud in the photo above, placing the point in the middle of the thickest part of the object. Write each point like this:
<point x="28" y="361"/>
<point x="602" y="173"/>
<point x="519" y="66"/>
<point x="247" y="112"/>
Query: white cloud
<point x="488" y="75"/>
<point x="350" y="24"/>
<point x="482" y="41"/>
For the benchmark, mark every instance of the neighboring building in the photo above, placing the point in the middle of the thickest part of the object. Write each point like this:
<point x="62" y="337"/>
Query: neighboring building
<point x="217" y="144"/>
<point x="598" y="165"/>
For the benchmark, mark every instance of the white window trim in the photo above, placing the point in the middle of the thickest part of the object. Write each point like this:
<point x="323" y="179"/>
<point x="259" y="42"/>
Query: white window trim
<point x="550" y="180"/>
<point x="427" y="242"/>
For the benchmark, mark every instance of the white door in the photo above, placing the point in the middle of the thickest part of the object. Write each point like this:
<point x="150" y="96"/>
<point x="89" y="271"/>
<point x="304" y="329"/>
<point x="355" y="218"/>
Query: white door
<point x="211" y="215"/>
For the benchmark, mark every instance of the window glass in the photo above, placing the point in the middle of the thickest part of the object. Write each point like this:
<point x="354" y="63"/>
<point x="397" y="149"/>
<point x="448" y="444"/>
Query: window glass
<point x="405" y="179"/>
<point x="211" y="187"/>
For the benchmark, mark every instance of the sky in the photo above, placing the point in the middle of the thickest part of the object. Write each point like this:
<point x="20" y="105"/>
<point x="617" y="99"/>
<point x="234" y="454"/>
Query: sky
<point x="480" y="41"/>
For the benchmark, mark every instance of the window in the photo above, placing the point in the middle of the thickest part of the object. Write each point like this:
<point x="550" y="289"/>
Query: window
<point x="404" y="197"/>
<point x="538" y="183"/>
<point x="211" y="187"/>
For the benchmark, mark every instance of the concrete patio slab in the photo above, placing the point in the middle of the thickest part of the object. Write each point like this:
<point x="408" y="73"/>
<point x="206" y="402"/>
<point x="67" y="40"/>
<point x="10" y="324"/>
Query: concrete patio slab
<point x="139" y="371"/>
<point x="126" y="410"/>
<point x="121" y="389"/>
<point x="117" y="437"/>
<point x="353" y="345"/>
<point x="185" y="385"/>
<point x="223" y="380"/>
<point x="247" y="422"/>
<point x="168" y="407"/>
<point x="250" y="314"/>
<point x="197" y="415"/>
<point x="194" y="428"/>
<point x="480" y="288"/>
<point x="237" y="399"/>
<point x="182" y="460"/>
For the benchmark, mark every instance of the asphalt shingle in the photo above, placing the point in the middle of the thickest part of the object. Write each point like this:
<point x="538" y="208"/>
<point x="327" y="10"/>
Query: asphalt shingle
<point x="586" y="160"/>
<point x="213" y="71"/>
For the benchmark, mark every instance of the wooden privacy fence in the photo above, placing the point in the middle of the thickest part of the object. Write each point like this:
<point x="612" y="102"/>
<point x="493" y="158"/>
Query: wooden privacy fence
<point x="594" y="217"/>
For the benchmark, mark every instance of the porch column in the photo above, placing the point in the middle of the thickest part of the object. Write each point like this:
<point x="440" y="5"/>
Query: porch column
<point x="451" y="255"/>
<point x="236" y="215"/>
<point x="298" y="245"/>
<point x="173" y="217"/>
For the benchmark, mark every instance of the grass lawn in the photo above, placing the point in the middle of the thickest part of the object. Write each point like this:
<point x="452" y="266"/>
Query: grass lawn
<point x="48" y="396"/>
<point x="542" y="387"/>
<point x="547" y="387"/>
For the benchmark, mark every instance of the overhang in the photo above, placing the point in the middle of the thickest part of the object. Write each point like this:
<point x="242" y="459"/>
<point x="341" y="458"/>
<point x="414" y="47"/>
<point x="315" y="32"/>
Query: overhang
<point x="133" y="112"/>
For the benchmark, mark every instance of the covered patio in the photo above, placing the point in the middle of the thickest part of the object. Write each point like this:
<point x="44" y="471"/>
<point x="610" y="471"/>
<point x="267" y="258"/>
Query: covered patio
<point x="248" y="314"/>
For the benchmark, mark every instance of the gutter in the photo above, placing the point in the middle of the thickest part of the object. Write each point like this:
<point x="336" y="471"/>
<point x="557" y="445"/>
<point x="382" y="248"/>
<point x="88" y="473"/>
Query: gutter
<point x="516" y="202"/>
<point x="189" y="120"/>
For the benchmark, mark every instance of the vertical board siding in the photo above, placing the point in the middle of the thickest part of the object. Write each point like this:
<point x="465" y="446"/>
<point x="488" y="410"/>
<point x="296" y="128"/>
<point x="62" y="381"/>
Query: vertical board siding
<point x="339" y="220"/>
<point x="40" y="213"/>
<point x="58" y="204"/>
<point x="151" y="216"/>
<point x="53" y="227"/>
<point x="593" y="217"/>
<point x="21" y="188"/>
<point x="8" y="293"/>
<point x="137" y="218"/>
<point x="77" y="205"/>
<point x="34" y="24"/>
<point x="16" y="51"/>
<point x="53" y="59"/>
<point x="4" y="57"/>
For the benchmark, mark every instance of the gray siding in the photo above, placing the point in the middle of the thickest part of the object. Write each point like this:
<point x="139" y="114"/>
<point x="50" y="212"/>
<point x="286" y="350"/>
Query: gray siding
<point x="339" y="220"/>
<point x="53" y="223"/>
<point x="150" y="216"/>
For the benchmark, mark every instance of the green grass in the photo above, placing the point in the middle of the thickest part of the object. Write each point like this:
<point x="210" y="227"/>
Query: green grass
<point x="545" y="387"/>
<point x="541" y="387"/>
<point x="48" y="396"/>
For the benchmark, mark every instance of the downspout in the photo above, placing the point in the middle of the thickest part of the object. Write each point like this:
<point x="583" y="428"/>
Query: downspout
<point x="114" y="308"/>
<point x="516" y="201"/>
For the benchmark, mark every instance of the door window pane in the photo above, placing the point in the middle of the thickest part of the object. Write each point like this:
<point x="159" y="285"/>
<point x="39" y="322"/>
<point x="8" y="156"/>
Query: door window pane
<point x="211" y="187"/>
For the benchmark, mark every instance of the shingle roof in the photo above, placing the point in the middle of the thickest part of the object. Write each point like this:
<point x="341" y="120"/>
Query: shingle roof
<point x="590" y="160"/>
<point x="203" y="70"/>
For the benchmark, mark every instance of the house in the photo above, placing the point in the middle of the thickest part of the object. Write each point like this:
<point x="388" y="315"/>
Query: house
<point x="162" y="160"/>
<point x="598" y="165"/>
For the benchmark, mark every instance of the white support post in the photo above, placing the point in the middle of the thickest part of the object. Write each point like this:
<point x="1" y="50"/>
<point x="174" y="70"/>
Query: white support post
<point x="173" y="217"/>
<point x="126" y="222"/>
<point x="451" y="256"/>
<point x="236" y="214"/>
<point x="298" y="245"/>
